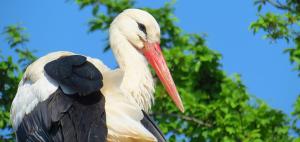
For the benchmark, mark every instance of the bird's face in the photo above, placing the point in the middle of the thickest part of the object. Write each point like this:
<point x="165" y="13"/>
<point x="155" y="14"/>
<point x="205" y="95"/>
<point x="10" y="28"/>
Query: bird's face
<point x="138" y="27"/>
<point x="143" y="33"/>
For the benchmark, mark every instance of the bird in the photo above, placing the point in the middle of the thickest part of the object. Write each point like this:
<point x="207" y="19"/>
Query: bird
<point x="64" y="96"/>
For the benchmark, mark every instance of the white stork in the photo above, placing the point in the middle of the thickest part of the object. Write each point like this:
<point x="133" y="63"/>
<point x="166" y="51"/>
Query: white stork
<point x="68" y="97"/>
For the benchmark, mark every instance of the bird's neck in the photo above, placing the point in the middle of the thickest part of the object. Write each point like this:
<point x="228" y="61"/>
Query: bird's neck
<point x="137" y="83"/>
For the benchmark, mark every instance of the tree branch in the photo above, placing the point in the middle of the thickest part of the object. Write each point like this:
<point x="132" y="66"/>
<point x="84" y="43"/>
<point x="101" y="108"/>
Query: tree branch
<point x="279" y="5"/>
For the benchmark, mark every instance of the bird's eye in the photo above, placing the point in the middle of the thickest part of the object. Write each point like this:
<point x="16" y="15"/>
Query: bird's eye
<point x="142" y="27"/>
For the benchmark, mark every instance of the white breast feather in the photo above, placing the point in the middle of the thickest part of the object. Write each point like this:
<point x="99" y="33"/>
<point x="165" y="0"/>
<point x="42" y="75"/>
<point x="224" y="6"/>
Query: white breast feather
<point x="123" y="116"/>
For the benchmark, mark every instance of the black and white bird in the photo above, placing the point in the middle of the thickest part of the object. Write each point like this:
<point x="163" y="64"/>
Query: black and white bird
<point x="68" y="97"/>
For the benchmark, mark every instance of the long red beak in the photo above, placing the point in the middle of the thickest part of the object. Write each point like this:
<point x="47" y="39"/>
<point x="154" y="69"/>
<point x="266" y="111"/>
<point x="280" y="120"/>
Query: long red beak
<point x="153" y="54"/>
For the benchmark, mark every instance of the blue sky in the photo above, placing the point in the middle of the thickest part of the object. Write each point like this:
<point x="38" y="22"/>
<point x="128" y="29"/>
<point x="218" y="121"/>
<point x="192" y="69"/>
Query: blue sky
<point x="59" y="25"/>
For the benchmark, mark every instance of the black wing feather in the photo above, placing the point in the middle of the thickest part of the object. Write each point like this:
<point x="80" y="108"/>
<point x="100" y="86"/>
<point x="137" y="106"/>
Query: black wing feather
<point x="151" y="126"/>
<point x="65" y="118"/>
<point x="76" y="73"/>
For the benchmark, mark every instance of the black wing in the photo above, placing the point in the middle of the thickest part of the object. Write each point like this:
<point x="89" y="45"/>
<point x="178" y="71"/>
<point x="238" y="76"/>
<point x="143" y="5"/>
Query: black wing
<point x="151" y="126"/>
<point x="78" y="117"/>
<point x="76" y="73"/>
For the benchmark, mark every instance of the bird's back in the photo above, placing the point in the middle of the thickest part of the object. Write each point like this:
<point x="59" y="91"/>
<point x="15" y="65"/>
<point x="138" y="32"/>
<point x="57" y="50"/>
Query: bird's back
<point x="59" y="99"/>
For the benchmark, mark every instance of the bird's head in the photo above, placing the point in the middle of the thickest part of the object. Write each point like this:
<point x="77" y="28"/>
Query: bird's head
<point x="142" y="31"/>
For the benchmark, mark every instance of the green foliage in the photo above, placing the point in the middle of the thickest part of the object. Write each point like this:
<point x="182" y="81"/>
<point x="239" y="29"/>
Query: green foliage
<point x="296" y="113"/>
<point x="218" y="107"/>
<point x="16" y="37"/>
<point x="284" y="25"/>
<point x="11" y="73"/>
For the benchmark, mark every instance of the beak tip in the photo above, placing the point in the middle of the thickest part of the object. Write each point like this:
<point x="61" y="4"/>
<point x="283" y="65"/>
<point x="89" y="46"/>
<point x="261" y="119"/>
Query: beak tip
<point x="179" y="103"/>
<point x="181" y="109"/>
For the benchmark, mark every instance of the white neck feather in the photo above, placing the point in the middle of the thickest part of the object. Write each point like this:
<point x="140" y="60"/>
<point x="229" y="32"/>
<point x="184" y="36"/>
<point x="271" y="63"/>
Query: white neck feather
<point x="137" y="83"/>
